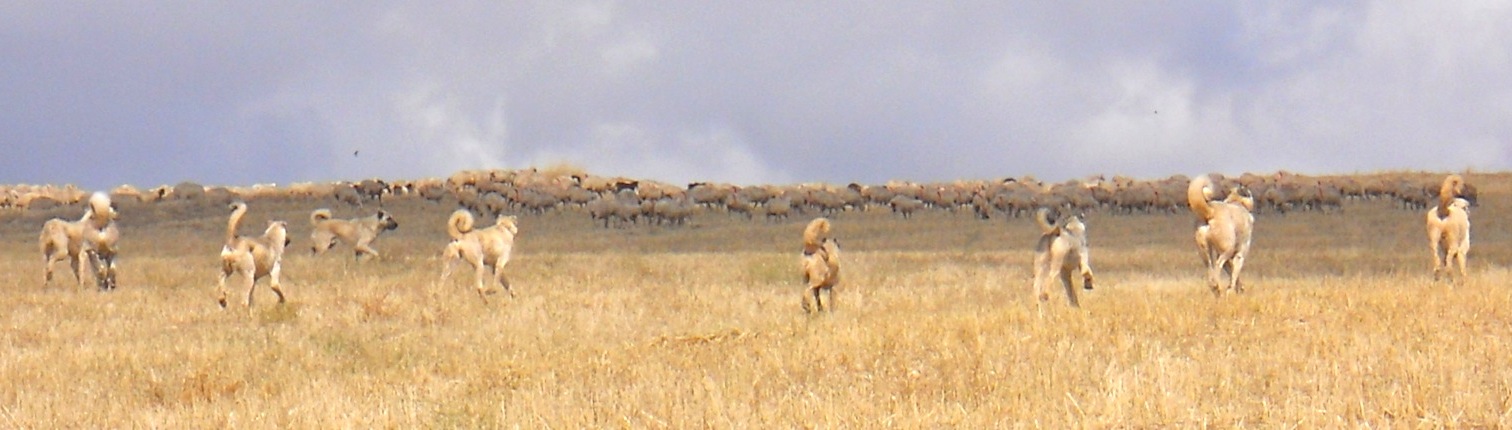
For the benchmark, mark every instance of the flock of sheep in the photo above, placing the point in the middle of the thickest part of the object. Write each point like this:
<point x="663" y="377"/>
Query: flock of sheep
<point x="1222" y="236"/>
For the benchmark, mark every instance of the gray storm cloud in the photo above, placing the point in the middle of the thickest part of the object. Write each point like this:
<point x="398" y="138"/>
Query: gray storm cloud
<point x="147" y="94"/>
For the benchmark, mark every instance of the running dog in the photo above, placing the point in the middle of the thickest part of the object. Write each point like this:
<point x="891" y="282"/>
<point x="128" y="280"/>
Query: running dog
<point x="92" y="237"/>
<point x="485" y="249"/>
<point x="1223" y="232"/>
<point x="252" y="258"/>
<point x="359" y="232"/>
<point x="1062" y="251"/>
<point x="820" y="263"/>
<point x="1449" y="230"/>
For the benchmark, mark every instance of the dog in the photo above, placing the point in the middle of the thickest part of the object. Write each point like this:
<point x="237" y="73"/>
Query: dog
<point x="359" y="232"/>
<point x="820" y="263"/>
<point x="1223" y="232"/>
<point x="1449" y="230"/>
<point x="1061" y="251"/>
<point x="252" y="258"/>
<point x="485" y="249"/>
<point x="91" y="239"/>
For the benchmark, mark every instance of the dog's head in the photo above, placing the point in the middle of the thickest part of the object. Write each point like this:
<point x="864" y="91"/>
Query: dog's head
<point x="386" y="221"/>
<point x="1242" y="196"/>
<point x="1073" y="224"/>
<point x="278" y="233"/>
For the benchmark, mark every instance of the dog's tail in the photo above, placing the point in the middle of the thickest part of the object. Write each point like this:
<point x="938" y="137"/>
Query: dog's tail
<point x="319" y="215"/>
<point x="461" y="223"/>
<point x="1453" y="186"/>
<point x="237" y="210"/>
<point x="1197" y="197"/>
<point x="101" y="209"/>
<point x="1042" y="218"/>
<point x="814" y="235"/>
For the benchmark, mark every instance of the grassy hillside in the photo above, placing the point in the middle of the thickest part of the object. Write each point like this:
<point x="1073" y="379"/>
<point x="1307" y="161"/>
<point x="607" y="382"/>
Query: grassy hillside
<point x="700" y="326"/>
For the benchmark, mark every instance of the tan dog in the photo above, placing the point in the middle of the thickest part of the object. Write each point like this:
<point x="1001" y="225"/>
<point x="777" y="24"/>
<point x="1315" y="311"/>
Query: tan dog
<point x="92" y="237"/>
<point x="252" y="258"/>
<point x="1449" y="230"/>
<point x="485" y="249"/>
<point x="359" y="232"/>
<point x="1062" y="251"/>
<point x="1223" y="232"/>
<point x="820" y="263"/>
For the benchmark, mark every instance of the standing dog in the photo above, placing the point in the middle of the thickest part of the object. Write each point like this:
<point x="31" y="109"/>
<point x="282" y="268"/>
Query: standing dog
<point x="1061" y="251"/>
<point x="92" y="237"/>
<point x="820" y="263"/>
<point x="359" y="232"/>
<point x="485" y="249"/>
<point x="1223" y="231"/>
<point x="1449" y="230"/>
<point x="252" y="258"/>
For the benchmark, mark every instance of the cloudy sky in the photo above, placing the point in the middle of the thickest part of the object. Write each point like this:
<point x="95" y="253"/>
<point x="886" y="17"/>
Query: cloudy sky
<point x="105" y="93"/>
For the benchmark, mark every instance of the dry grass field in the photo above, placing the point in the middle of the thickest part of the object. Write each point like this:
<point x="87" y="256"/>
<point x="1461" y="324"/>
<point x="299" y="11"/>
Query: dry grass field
<point x="700" y="327"/>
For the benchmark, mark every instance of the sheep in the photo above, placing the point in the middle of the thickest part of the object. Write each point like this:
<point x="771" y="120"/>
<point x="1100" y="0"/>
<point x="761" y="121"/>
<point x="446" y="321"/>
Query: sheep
<point x="347" y="193"/>
<point x="485" y="249"/>
<point x="1061" y="251"/>
<point x="188" y="191"/>
<point x="778" y="209"/>
<point x="1223" y="232"/>
<point x="820" y="263"/>
<point x="905" y="205"/>
<point x="252" y="258"/>
<point x="1449" y="230"/>
<point x="93" y="237"/>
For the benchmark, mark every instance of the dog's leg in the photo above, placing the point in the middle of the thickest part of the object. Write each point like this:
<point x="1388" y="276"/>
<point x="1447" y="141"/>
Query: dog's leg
<point x="1434" y="236"/>
<point x="110" y="272"/>
<point x="1066" y="284"/>
<point x="480" y="272"/>
<point x="250" y="275"/>
<point x="1086" y="270"/>
<point x="502" y="277"/>
<point x="96" y="267"/>
<point x="221" y="298"/>
<point x="273" y="281"/>
<point x="48" y="261"/>
<point x="1215" y="273"/>
<point x="1236" y="265"/>
<point x="363" y="248"/>
<point x="1041" y="272"/>
<point x="817" y="304"/>
<point x="804" y="302"/>
<point x="76" y="263"/>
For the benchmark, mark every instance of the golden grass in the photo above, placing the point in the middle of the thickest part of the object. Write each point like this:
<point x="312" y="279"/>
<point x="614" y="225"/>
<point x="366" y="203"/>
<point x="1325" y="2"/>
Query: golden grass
<point x="701" y="327"/>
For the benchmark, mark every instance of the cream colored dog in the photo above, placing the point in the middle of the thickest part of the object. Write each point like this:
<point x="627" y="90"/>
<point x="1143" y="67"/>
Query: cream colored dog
<point x="252" y="258"/>
<point x="1449" y="230"/>
<point x="359" y="232"/>
<point x="820" y="263"/>
<point x="1061" y="252"/>
<point x="1223" y="232"/>
<point x="485" y="249"/>
<point x="92" y="237"/>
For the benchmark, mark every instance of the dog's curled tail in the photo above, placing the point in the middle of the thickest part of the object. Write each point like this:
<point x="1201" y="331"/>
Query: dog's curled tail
<point x="238" y="209"/>
<point x="1451" y="189"/>
<point x="461" y="223"/>
<point x="1042" y="218"/>
<point x="319" y="215"/>
<point x="814" y="235"/>
<point x="1197" y="197"/>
